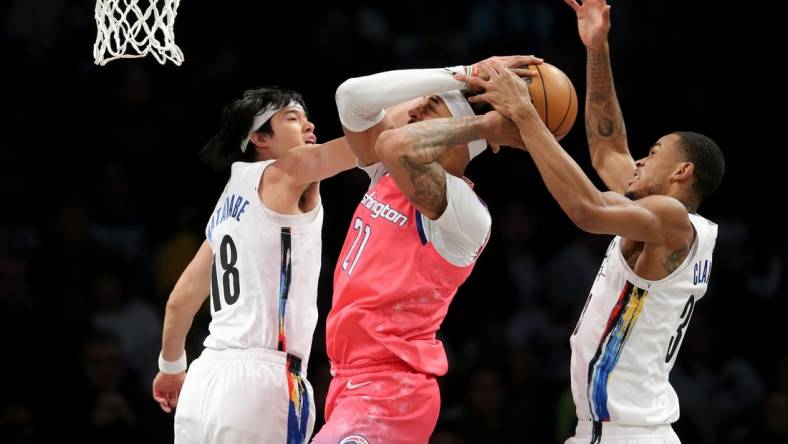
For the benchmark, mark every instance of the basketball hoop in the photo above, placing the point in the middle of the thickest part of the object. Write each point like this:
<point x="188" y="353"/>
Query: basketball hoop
<point x="128" y="30"/>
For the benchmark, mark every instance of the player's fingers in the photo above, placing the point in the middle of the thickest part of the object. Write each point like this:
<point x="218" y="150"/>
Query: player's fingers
<point x="162" y="401"/>
<point x="474" y="82"/>
<point x="487" y="68"/>
<point x="494" y="147"/>
<point x="166" y="408"/>
<point x="494" y="69"/>
<point x="507" y="73"/>
<point x="573" y="4"/>
<point x="512" y="76"/>
<point x="524" y="72"/>
<point x="172" y="400"/>
<point x="479" y="98"/>
<point x="528" y="60"/>
<point x="499" y="71"/>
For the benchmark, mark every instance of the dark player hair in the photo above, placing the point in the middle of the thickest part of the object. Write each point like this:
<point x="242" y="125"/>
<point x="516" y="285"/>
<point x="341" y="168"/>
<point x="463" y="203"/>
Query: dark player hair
<point x="708" y="159"/>
<point x="479" y="108"/>
<point x="224" y="147"/>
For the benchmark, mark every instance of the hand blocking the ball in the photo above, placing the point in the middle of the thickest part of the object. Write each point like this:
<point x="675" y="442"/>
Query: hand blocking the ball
<point x="549" y="93"/>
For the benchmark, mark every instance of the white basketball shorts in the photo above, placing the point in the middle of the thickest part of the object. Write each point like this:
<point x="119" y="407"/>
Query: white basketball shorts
<point x="244" y="397"/>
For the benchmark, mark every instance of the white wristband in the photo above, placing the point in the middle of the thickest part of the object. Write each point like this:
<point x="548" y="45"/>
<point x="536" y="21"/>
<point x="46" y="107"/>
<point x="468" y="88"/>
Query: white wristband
<point x="172" y="368"/>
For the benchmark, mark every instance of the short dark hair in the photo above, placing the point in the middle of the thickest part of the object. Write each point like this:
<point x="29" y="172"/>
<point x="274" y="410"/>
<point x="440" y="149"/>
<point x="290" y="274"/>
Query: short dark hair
<point x="224" y="148"/>
<point x="708" y="159"/>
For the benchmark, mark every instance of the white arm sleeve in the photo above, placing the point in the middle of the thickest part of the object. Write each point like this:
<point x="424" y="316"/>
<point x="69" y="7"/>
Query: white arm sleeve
<point x="462" y="230"/>
<point x="361" y="100"/>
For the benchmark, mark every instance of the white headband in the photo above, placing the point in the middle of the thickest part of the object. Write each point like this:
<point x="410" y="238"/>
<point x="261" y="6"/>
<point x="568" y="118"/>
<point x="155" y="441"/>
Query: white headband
<point x="262" y="117"/>
<point x="459" y="107"/>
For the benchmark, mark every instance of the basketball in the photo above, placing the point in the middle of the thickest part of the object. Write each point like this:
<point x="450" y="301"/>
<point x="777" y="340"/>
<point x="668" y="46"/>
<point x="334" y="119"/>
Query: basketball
<point x="554" y="98"/>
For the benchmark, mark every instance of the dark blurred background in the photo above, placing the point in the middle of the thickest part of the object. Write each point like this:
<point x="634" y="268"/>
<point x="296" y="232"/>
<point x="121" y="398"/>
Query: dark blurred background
<point x="103" y="202"/>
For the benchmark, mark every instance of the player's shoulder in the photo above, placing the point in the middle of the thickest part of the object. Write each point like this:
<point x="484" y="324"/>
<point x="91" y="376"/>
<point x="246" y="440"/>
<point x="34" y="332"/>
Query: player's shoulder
<point x="671" y="217"/>
<point x="241" y="168"/>
<point x="461" y="187"/>
<point x="465" y="206"/>
<point x="664" y="206"/>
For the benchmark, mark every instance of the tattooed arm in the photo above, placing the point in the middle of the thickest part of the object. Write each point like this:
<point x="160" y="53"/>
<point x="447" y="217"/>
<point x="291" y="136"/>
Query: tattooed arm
<point x="659" y="221"/>
<point x="607" y="137"/>
<point x="411" y="154"/>
<point x="605" y="131"/>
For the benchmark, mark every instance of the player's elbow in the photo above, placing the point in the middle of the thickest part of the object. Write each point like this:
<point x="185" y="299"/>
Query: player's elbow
<point x="347" y="96"/>
<point x="389" y="145"/>
<point x="358" y="104"/>
<point x="583" y="216"/>
<point x="344" y="94"/>
<point x="597" y="159"/>
<point x="178" y="302"/>
<point x="175" y="302"/>
<point x="603" y="162"/>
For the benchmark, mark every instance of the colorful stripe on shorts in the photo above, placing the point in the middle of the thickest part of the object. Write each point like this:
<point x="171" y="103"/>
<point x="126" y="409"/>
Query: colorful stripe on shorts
<point x="298" y="409"/>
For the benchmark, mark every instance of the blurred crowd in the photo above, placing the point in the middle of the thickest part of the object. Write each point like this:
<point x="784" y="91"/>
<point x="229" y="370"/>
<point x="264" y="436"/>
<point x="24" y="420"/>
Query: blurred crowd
<point x="104" y="202"/>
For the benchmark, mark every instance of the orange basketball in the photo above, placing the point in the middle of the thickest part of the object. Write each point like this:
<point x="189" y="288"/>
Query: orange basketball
<point x="554" y="98"/>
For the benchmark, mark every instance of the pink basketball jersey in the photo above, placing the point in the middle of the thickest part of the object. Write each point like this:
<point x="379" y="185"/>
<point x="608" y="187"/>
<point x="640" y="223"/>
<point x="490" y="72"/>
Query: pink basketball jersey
<point x="392" y="289"/>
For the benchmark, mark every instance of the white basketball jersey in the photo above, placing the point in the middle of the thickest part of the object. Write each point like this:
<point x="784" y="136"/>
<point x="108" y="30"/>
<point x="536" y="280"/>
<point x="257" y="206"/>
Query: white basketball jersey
<point x="265" y="270"/>
<point x="629" y="333"/>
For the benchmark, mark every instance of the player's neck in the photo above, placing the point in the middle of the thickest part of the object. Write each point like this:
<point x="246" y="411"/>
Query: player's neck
<point x="685" y="196"/>
<point x="689" y="202"/>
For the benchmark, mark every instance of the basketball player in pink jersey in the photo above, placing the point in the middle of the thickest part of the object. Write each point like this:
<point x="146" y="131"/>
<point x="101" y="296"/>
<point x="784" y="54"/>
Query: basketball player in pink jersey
<point x="260" y="264"/>
<point x="413" y="240"/>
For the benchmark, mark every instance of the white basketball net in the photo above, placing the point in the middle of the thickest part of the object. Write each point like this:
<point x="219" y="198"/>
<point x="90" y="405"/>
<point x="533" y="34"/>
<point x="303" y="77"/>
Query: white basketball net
<point x="125" y="30"/>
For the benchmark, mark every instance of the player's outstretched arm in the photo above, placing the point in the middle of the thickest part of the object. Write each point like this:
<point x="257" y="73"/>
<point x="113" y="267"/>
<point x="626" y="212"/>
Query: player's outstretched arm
<point x="191" y="290"/>
<point x="369" y="105"/>
<point x="307" y="164"/>
<point x="605" y="130"/>
<point x="656" y="220"/>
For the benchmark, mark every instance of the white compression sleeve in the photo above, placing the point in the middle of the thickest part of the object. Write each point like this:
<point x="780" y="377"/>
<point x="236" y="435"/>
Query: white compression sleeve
<point x="361" y="100"/>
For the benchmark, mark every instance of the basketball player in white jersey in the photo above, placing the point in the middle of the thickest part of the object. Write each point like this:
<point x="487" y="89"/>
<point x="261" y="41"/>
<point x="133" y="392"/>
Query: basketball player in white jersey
<point x="656" y="268"/>
<point x="260" y="264"/>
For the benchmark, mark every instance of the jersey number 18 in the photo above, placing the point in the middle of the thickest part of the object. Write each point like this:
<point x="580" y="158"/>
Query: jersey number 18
<point x="231" y="283"/>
